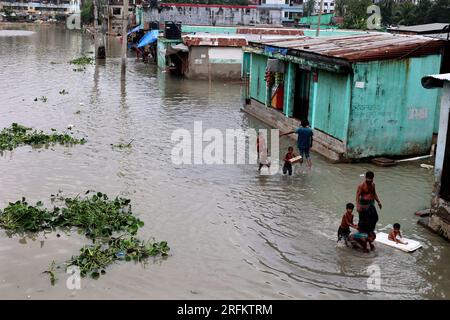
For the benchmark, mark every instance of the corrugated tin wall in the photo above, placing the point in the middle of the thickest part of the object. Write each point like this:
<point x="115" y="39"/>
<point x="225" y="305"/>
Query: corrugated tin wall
<point x="392" y="114"/>
<point x="331" y="106"/>
<point x="257" y="83"/>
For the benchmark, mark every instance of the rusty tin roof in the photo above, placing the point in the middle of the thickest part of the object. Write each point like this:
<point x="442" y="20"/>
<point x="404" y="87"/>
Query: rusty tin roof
<point x="354" y="48"/>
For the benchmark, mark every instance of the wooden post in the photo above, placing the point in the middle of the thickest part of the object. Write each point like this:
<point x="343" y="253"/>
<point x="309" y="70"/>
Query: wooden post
<point x="95" y="29"/>
<point x="124" y="30"/>
<point x="318" y="18"/>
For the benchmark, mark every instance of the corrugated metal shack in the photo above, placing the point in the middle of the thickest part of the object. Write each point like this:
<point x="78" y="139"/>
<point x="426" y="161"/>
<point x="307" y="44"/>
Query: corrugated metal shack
<point x="361" y="93"/>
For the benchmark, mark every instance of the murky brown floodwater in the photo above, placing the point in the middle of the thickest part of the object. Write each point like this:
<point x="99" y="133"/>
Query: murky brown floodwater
<point x="233" y="233"/>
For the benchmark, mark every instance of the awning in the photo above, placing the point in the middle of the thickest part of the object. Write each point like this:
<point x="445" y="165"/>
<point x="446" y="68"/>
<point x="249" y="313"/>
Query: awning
<point x="435" y="81"/>
<point x="135" y="29"/>
<point x="176" y="48"/>
<point x="149" y="38"/>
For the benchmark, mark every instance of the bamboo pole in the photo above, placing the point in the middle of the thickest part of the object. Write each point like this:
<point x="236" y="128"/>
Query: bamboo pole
<point x="318" y="18"/>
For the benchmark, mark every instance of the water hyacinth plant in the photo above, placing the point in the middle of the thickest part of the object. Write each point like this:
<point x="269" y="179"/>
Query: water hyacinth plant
<point x="82" y="61"/>
<point x="18" y="135"/>
<point x="93" y="214"/>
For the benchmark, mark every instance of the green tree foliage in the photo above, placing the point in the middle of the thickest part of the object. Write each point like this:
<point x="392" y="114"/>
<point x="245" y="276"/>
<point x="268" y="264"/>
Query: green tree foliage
<point x="405" y="13"/>
<point x="356" y="14"/>
<point x="308" y="7"/>
<point x="387" y="8"/>
<point x="87" y="12"/>
<point x="439" y="12"/>
<point x="340" y="7"/>
<point x="394" y="12"/>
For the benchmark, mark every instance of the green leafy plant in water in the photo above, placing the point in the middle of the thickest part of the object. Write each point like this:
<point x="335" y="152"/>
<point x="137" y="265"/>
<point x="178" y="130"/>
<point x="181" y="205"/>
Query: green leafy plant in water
<point x="80" y="69"/>
<point x="82" y="61"/>
<point x="122" y="145"/>
<point x="98" y="217"/>
<point x="19" y="217"/>
<point x="93" y="259"/>
<point x="52" y="273"/>
<point x="18" y="135"/>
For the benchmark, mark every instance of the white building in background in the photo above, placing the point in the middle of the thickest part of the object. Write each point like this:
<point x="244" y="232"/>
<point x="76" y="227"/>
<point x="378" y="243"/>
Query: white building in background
<point x="291" y="9"/>
<point x="328" y="6"/>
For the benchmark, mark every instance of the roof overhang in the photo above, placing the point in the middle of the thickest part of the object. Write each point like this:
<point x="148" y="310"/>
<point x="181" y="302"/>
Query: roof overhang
<point x="435" y="81"/>
<point x="306" y="59"/>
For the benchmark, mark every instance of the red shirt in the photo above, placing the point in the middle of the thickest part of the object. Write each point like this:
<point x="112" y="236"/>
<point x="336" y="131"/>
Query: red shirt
<point x="288" y="156"/>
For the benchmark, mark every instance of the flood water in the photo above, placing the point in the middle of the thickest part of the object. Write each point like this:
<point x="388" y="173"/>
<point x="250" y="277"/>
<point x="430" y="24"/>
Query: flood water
<point x="233" y="233"/>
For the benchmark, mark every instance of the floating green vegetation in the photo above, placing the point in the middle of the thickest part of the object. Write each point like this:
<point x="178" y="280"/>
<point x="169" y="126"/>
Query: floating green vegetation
<point x="80" y="69"/>
<point x="93" y="214"/>
<point x="63" y="92"/>
<point x="52" y="273"/>
<point x="18" y="135"/>
<point x="122" y="145"/>
<point x="82" y="61"/>
<point x="43" y="99"/>
<point x="93" y="259"/>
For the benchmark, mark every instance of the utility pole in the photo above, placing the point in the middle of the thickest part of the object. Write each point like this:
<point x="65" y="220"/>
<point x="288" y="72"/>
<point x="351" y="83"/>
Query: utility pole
<point x="318" y="18"/>
<point x="124" y="30"/>
<point x="95" y="29"/>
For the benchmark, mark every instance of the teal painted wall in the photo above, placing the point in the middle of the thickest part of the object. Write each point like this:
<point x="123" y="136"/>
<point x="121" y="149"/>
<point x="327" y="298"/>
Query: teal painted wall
<point x="162" y="45"/>
<point x="324" y="19"/>
<point x="245" y="64"/>
<point x="209" y="29"/>
<point x="329" y="33"/>
<point x="330" y="104"/>
<point x="393" y="114"/>
<point x="257" y="72"/>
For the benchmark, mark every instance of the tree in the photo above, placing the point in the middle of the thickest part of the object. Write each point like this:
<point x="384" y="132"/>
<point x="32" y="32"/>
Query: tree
<point x="387" y="10"/>
<point x="87" y="12"/>
<point x="421" y="11"/>
<point x="340" y="7"/>
<point x="309" y="7"/>
<point x="439" y="12"/>
<point x="405" y="13"/>
<point x="356" y="14"/>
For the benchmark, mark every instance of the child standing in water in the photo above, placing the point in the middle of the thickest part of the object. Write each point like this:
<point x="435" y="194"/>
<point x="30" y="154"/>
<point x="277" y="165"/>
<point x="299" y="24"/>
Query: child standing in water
<point x="395" y="233"/>
<point x="287" y="167"/>
<point x="346" y="223"/>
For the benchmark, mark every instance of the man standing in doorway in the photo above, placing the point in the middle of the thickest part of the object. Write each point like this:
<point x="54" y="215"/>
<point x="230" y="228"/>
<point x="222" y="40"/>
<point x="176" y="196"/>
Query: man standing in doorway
<point x="304" y="140"/>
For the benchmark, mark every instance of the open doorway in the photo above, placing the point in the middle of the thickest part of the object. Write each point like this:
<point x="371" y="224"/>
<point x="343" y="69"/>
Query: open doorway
<point x="301" y="97"/>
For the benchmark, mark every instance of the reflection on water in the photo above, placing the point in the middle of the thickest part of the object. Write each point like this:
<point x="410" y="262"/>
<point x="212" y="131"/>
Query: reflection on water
<point x="233" y="233"/>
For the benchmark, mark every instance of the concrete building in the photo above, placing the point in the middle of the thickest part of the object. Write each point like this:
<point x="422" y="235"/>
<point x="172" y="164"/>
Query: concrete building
<point x="291" y="10"/>
<point x="206" y="52"/>
<point x="439" y="221"/>
<point x="361" y="93"/>
<point x="328" y="6"/>
<point x="213" y="15"/>
<point x="38" y="9"/>
<point x="115" y="16"/>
